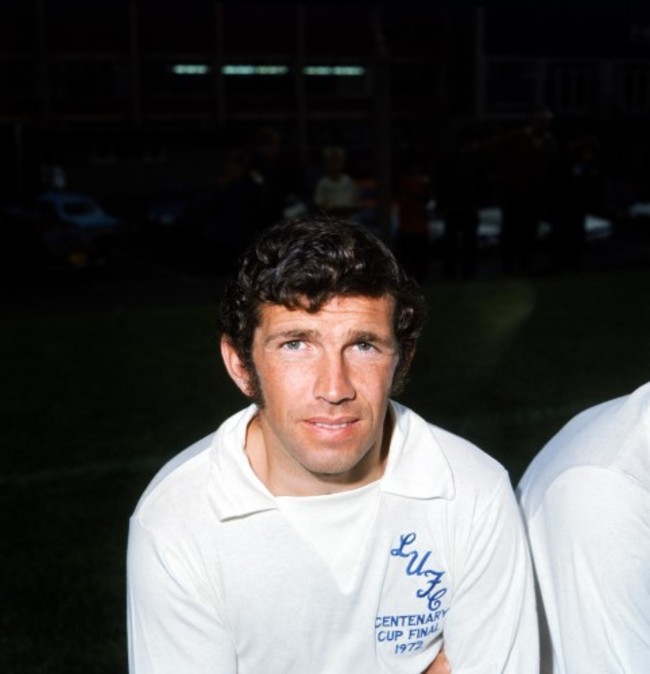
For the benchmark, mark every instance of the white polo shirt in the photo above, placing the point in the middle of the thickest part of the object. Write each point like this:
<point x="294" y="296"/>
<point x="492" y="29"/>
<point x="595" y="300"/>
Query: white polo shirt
<point x="586" y="501"/>
<point x="222" y="579"/>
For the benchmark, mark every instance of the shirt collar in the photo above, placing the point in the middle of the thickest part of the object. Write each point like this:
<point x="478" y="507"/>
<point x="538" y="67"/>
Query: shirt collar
<point x="235" y="489"/>
<point x="416" y="468"/>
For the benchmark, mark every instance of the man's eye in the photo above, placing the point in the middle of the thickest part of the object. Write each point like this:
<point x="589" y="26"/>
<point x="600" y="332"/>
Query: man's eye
<point x="292" y="345"/>
<point x="365" y="346"/>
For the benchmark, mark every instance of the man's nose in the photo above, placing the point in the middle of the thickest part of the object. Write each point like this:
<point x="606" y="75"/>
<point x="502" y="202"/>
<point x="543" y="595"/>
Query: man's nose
<point x="333" y="382"/>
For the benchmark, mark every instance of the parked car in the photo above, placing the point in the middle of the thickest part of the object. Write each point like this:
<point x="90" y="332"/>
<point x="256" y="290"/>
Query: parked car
<point x="639" y="212"/>
<point x="489" y="228"/>
<point x="59" y="230"/>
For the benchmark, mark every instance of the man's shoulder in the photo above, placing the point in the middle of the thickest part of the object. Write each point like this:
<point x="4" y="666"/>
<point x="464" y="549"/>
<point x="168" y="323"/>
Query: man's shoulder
<point x="178" y="485"/>
<point x="180" y="489"/>
<point x="468" y="467"/>
<point x="611" y="436"/>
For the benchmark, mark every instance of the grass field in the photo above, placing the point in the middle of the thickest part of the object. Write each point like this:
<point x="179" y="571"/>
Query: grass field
<point x="93" y="404"/>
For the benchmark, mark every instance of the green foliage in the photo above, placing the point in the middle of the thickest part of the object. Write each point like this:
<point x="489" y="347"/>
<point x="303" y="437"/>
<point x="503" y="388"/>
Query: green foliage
<point x="94" y="404"/>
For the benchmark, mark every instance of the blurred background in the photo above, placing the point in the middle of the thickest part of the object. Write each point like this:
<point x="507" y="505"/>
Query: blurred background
<point x="503" y="153"/>
<point x="178" y="128"/>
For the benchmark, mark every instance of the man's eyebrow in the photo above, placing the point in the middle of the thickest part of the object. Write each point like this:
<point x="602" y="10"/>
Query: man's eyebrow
<point x="294" y="333"/>
<point x="353" y="336"/>
<point x="371" y="337"/>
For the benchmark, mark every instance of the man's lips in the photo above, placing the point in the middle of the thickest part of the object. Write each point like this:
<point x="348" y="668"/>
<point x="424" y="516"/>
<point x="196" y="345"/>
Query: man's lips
<point x="332" y="424"/>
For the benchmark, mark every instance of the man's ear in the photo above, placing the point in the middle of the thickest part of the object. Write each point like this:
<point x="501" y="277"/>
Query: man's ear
<point x="235" y="367"/>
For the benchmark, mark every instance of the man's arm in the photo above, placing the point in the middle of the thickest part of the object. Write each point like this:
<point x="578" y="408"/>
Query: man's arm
<point x="492" y="623"/>
<point x="439" y="666"/>
<point x="590" y="544"/>
<point x="173" y="621"/>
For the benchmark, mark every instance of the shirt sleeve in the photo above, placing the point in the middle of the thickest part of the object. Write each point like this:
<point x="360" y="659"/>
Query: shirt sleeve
<point x="590" y="540"/>
<point x="491" y="627"/>
<point x="173" y="621"/>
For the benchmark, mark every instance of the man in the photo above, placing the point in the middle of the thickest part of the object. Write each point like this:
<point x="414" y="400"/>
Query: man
<point x="525" y="161"/>
<point x="586" y="501"/>
<point x="326" y="528"/>
<point x="336" y="192"/>
<point x="461" y="191"/>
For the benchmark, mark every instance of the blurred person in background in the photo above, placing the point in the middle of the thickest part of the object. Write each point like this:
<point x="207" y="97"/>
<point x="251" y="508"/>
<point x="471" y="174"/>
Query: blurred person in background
<point x="336" y="192"/>
<point x="576" y="190"/>
<point x="231" y="215"/>
<point x="413" y="194"/>
<point x="277" y="175"/>
<point x="524" y="161"/>
<point x="460" y="192"/>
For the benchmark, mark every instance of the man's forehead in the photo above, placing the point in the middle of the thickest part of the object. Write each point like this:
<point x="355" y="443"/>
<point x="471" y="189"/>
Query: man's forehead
<point x="364" y="308"/>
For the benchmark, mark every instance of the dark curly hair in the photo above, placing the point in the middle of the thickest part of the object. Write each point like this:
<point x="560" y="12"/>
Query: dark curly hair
<point x="304" y="263"/>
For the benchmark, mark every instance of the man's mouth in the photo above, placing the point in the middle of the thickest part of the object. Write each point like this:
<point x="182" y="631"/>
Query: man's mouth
<point x="333" y="425"/>
<point x="343" y="424"/>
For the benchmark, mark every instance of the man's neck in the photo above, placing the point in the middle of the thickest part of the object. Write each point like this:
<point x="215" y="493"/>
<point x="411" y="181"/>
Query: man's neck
<point x="285" y="478"/>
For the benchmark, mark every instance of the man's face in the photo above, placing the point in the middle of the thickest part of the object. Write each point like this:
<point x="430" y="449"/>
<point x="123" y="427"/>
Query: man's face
<point x="325" y="380"/>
